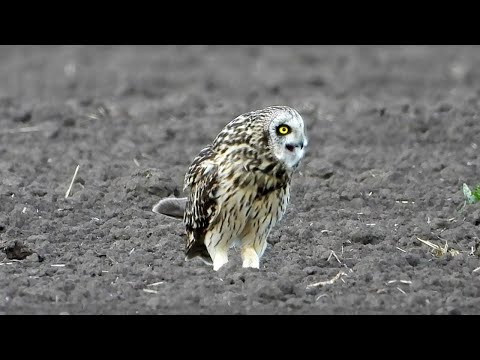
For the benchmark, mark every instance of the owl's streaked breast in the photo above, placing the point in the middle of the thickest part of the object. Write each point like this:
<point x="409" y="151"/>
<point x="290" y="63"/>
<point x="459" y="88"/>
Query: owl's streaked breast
<point x="247" y="195"/>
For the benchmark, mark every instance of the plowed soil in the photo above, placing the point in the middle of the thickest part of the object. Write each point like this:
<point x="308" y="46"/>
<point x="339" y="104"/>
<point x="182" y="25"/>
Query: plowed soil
<point x="394" y="133"/>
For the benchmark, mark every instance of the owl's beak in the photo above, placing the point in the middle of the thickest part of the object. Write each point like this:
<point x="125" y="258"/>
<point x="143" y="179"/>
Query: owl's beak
<point x="292" y="147"/>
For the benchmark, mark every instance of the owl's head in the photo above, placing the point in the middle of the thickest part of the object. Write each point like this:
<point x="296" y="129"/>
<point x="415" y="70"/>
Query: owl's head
<point x="286" y="135"/>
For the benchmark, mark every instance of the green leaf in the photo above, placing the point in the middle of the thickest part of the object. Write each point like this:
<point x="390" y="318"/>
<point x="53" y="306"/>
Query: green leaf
<point x="471" y="196"/>
<point x="476" y="193"/>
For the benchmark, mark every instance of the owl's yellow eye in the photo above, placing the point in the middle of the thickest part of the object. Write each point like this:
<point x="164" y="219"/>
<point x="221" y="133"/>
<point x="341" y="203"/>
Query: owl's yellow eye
<point x="283" y="130"/>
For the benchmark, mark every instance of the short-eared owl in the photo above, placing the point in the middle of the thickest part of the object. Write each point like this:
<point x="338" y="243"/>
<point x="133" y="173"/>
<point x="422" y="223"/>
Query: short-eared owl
<point x="239" y="186"/>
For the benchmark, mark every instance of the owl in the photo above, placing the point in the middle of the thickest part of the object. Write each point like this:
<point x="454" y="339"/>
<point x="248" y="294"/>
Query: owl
<point x="239" y="186"/>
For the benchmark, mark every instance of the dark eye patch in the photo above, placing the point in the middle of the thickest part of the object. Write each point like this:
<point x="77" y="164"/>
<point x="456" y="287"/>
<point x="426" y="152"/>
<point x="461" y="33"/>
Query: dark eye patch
<point x="283" y="130"/>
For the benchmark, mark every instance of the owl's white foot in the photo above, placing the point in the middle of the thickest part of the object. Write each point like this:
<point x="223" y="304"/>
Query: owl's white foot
<point x="250" y="258"/>
<point x="220" y="259"/>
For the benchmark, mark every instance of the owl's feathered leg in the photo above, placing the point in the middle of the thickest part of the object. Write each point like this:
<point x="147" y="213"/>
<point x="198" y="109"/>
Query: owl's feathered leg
<point x="219" y="255"/>
<point x="220" y="259"/>
<point x="260" y="248"/>
<point x="253" y="240"/>
<point x="218" y="250"/>
<point x="250" y="258"/>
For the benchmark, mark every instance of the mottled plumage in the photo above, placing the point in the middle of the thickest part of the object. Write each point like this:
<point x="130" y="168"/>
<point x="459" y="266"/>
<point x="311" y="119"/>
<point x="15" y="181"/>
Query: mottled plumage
<point x="239" y="185"/>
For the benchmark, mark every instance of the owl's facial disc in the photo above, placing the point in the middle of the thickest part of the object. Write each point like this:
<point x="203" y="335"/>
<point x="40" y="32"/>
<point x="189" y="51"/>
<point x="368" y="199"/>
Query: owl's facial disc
<point x="287" y="138"/>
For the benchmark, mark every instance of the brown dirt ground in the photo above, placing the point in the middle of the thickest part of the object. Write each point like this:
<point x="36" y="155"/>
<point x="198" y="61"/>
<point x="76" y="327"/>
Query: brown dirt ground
<point x="394" y="133"/>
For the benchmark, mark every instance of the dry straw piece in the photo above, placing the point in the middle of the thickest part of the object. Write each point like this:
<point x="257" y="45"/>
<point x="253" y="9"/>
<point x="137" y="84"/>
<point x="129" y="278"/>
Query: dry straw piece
<point x="439" y="251"/>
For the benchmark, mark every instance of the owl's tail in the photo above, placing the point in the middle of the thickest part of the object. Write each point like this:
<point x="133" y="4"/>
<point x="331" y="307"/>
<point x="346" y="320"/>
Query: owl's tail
<point x="198" y="250"/>
<point x="171" y="207"/>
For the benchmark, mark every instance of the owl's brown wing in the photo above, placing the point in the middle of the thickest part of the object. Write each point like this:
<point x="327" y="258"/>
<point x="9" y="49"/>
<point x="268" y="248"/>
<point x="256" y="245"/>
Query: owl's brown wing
<point x="202" y="208"/>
